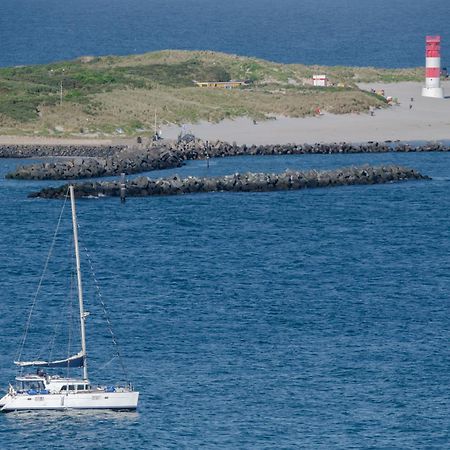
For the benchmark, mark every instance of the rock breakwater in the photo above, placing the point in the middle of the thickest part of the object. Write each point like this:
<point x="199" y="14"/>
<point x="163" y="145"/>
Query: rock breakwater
<point x="202" y="150"/>
<point x="44" y="151"/>
<point x="171" y="154"/>
<point x="248" y="182"/>
<point x="127" y="160"/>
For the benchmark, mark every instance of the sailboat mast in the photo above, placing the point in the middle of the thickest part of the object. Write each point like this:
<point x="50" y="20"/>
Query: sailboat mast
<point x="79" y="283"/>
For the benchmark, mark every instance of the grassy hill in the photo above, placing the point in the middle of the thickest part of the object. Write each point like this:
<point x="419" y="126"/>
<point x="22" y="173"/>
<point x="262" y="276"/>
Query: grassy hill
<point x="103" y="94"/>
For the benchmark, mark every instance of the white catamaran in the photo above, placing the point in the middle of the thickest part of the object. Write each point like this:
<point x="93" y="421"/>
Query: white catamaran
<point x="42" y="391"/>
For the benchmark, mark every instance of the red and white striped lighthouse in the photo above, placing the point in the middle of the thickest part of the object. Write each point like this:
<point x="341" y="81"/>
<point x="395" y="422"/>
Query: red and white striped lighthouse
<point x="433" y="68"/>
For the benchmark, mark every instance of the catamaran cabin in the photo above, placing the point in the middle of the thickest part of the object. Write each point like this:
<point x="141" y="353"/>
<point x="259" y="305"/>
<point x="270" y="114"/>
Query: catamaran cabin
<point x="44" y="384"/>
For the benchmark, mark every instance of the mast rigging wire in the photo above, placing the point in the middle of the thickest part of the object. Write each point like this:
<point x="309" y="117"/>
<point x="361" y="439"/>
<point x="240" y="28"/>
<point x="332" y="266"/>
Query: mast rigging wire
<point x="33" y="304"/>
<point x="105" y="313"/>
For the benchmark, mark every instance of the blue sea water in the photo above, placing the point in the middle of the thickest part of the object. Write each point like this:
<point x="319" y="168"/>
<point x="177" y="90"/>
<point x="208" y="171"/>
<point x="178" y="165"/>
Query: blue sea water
<point x="383" y="33"/>
<point x="308" y="319"/>
<point x="305" y="319"/>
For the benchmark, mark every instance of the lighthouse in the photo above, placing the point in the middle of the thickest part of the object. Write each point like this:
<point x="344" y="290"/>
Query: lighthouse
<point x="433" y="68"/>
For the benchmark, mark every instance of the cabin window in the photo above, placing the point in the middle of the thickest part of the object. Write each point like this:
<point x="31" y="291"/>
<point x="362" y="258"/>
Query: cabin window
<point x="64" y="388"/>
<point x="71" y="387"/>
<point x="32" y="385"/>
<point x="80" y="387"/>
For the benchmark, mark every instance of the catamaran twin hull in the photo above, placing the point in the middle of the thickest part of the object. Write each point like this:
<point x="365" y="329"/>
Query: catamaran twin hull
<point x="42" y="391"/>
<point x="92" y="400"/>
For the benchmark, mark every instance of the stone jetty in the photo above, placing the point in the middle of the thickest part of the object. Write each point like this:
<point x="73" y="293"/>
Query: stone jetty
<point x="127" y="160"/>
<point x="247" y="182"/>
<point x="67" y="151"/>
<point x="170" y="154"/>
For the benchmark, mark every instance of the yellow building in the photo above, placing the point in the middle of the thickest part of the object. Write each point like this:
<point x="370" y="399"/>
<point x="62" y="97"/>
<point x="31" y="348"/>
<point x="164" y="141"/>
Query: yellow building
<point x="221" y="84"/>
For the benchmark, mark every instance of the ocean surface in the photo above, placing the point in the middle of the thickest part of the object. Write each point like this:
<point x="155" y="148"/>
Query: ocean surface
<point x="316" y="319"/>
<point x="383" y="33"/>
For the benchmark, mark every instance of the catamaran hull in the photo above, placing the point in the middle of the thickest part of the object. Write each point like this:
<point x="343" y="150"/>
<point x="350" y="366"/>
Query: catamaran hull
<point x="94" y="400"/>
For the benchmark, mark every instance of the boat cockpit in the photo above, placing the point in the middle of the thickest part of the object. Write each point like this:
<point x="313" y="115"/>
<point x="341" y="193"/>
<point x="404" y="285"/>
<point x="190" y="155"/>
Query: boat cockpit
<point x="24" y="385"/>
<point x="42" y="383"/>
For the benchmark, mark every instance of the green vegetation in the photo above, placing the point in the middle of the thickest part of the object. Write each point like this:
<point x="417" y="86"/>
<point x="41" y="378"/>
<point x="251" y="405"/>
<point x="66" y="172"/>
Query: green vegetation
<point x="106" y="93"/>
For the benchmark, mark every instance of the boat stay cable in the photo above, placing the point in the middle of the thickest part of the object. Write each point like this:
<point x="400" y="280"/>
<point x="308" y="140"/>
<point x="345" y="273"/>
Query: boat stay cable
<point x="63" y="320"/>
<point x="106" y="315"/>
<point x="47" y="348"/>
<point x="35" y="297"/>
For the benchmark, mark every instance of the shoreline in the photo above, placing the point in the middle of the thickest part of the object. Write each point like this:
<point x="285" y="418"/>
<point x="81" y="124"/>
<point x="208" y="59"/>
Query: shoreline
<point x="422" y="119"/>
<point x="6" y="140"/>
<point x="414" y="119"/>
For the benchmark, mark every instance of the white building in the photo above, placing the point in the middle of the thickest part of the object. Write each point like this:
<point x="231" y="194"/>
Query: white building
<point x="320" y="80"/>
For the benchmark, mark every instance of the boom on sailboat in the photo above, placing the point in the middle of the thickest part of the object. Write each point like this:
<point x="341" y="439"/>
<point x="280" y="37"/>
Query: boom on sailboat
<point x="44" y="391"/>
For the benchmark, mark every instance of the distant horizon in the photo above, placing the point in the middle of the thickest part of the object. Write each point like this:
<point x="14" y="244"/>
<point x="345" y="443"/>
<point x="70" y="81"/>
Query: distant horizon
<point x="383" y="34"/>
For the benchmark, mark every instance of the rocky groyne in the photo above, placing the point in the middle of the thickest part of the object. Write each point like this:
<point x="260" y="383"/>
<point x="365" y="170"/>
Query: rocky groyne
<point x="67" y="151"/>
<point x="202" y="150"/>
<point x="127" y="160"/>
<point x="169" y="154"/>
<point x="248" y="182"/>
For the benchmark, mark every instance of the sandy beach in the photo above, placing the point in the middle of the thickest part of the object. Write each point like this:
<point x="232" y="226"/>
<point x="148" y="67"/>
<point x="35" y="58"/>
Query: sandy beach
<point x="39" y="140"/>
<point x="427" y="120"/>
<point x="422" y="119"/>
